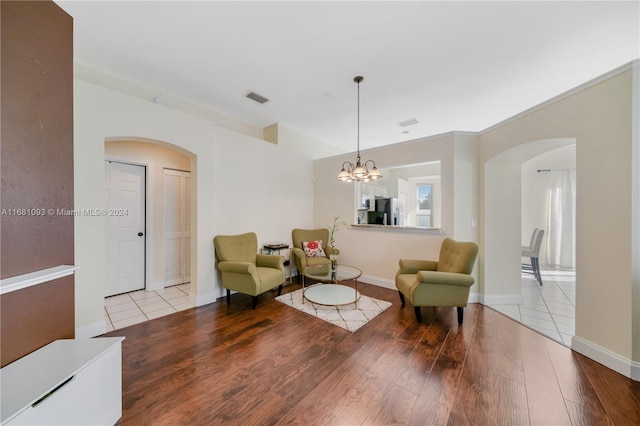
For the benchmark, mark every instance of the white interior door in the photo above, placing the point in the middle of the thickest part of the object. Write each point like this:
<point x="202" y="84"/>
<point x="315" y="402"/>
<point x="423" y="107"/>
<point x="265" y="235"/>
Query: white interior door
<point x="125" y="201"/>
<point x="177" y="226"/>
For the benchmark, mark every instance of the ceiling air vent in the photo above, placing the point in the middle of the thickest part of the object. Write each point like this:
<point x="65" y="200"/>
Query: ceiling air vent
<point x="409" y="122"/>
<point x="255" y="97"/>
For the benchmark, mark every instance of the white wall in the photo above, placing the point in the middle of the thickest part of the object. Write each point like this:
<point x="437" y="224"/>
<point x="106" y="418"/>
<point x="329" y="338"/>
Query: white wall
<point x="535" y="190"/>
<point x="240" y="184"/>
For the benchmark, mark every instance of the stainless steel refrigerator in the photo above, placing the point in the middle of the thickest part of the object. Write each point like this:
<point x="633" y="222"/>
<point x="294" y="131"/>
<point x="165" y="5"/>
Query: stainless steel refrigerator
<point x="386" y="212"/>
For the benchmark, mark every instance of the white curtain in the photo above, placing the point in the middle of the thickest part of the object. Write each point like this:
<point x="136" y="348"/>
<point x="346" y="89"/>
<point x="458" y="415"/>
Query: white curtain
<point x="561" y="220"/>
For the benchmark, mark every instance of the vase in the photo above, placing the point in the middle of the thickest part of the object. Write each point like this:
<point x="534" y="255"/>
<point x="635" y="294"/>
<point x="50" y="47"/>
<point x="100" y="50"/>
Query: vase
<point x="334" y="261"/>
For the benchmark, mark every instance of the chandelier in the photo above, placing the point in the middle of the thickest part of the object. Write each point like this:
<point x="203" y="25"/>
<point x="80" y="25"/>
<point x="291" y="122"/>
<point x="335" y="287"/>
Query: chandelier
<point x="359" y="171"/>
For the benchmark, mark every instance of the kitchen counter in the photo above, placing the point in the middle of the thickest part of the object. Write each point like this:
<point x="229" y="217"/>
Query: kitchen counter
<point x="397" y="228"/>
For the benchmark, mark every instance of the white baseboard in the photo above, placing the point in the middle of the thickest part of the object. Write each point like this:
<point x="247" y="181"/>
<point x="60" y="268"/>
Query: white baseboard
<point x="475" y="297"/>
<point x="617" y="363"/>
<point x="500" y="299"/>
<point x="92" y="330"/>
<point x="202" y="299"/>
<point x="155" y="286"/>
<point x="380" y="282"/>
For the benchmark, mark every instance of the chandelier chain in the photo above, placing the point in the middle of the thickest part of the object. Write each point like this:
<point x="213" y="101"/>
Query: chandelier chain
<point x="358" y="127"/>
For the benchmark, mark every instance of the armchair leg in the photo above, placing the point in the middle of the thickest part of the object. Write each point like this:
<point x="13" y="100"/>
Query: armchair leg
<point x="228" y="297"/>
<point x="460" y="314"/>
<point x="255" y="301"/>
<point x="279" y="289"/>
<point x="401" y="298"/>
<point x="418" y="313"/>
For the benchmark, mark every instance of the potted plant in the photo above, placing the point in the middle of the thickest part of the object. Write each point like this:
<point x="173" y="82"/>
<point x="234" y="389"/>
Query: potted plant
<point x="337" y="225"/>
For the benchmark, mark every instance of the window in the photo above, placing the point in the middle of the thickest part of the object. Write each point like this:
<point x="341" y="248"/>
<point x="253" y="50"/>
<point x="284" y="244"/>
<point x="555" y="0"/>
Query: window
<point x="424" y="201"/>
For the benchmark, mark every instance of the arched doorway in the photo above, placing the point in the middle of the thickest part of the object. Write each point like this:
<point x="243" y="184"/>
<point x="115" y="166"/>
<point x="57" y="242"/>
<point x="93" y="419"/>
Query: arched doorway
<point x="503" y="227"/>
<point x="168" y="256"/>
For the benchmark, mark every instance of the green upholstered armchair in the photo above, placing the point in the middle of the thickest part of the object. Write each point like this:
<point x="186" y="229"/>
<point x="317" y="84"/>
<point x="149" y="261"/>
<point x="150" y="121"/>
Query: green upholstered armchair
<point x="300" y="235"/>
<point x="442" y="283"/>
<point x="243" y="269"/>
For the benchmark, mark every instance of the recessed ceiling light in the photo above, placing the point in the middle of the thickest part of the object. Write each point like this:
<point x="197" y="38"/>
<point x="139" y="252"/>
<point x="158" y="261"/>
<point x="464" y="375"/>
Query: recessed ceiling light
<point x="409" y="122"/>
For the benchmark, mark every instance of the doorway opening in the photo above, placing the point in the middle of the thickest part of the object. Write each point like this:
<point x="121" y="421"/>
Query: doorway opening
<point x="168" y="260"/>
<point x="515" y="211"/>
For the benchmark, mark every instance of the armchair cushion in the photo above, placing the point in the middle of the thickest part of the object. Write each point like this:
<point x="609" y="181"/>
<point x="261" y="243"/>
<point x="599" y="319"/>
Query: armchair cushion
<point x="313" y="248"/>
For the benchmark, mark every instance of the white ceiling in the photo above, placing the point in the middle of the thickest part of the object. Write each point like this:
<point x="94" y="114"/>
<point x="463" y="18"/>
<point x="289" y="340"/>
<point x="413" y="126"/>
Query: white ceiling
<point x="450" y="65"/>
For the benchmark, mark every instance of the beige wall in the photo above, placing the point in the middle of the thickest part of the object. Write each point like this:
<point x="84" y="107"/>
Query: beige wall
<point x="635" y="218"/>
<point x="283" y="193"/>
<point x="156" y="158"/>
<point x="599" y="117"/>
<point x="481" y="178"/>
<point x="500" y="247"/>
<point x="369" y="249"/>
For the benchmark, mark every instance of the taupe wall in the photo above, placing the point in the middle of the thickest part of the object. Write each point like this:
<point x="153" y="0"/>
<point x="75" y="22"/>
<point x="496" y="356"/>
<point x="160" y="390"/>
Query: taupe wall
<point x="36" y="172"/>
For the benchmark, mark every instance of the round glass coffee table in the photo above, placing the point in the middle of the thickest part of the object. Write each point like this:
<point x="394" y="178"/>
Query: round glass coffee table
<point x="330" y="291"/>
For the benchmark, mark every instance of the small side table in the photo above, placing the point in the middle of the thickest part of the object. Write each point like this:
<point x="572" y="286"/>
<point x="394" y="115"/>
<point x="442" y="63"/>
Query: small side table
<point x="275" y="249"/>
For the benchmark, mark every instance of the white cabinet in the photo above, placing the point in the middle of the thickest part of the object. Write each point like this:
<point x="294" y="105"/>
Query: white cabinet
<point x="67" y="382"/>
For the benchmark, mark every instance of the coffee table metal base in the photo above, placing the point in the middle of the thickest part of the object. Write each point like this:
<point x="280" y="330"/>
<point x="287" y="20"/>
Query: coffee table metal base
<point x="331" y="294"/>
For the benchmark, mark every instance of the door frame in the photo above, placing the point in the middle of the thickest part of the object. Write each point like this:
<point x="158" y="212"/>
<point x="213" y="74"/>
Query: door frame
<point x="148" y="219"/>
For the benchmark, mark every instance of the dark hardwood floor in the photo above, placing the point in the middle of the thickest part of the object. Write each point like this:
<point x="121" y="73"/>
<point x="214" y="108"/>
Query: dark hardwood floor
<point x="276" y="365"/>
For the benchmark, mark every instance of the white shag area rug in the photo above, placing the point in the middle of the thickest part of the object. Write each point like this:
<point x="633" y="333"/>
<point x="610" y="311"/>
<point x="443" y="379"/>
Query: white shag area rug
<point x="347" y="316"/>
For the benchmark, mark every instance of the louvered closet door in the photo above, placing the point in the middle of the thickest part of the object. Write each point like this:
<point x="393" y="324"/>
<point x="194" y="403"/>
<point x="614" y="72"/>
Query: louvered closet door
<point x="177" y="226"/>
<point x="187" y="227"/>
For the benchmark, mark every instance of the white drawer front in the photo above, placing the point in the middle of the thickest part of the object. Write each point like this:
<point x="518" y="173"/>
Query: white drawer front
<point x="92" y="397"/>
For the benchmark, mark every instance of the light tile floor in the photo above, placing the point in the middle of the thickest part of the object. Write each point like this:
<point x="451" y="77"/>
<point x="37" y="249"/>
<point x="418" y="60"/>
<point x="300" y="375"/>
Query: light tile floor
<point x="132" y="308"/>
<point x="549" y="309"/>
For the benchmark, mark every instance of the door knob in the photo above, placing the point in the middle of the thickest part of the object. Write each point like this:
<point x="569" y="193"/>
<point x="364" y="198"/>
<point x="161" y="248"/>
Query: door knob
<point x="140" y="234"/>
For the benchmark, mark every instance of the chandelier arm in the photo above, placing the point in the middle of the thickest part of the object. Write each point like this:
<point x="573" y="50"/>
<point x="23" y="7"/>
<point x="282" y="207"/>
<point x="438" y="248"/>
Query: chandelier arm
<point x="348" y="164"/>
